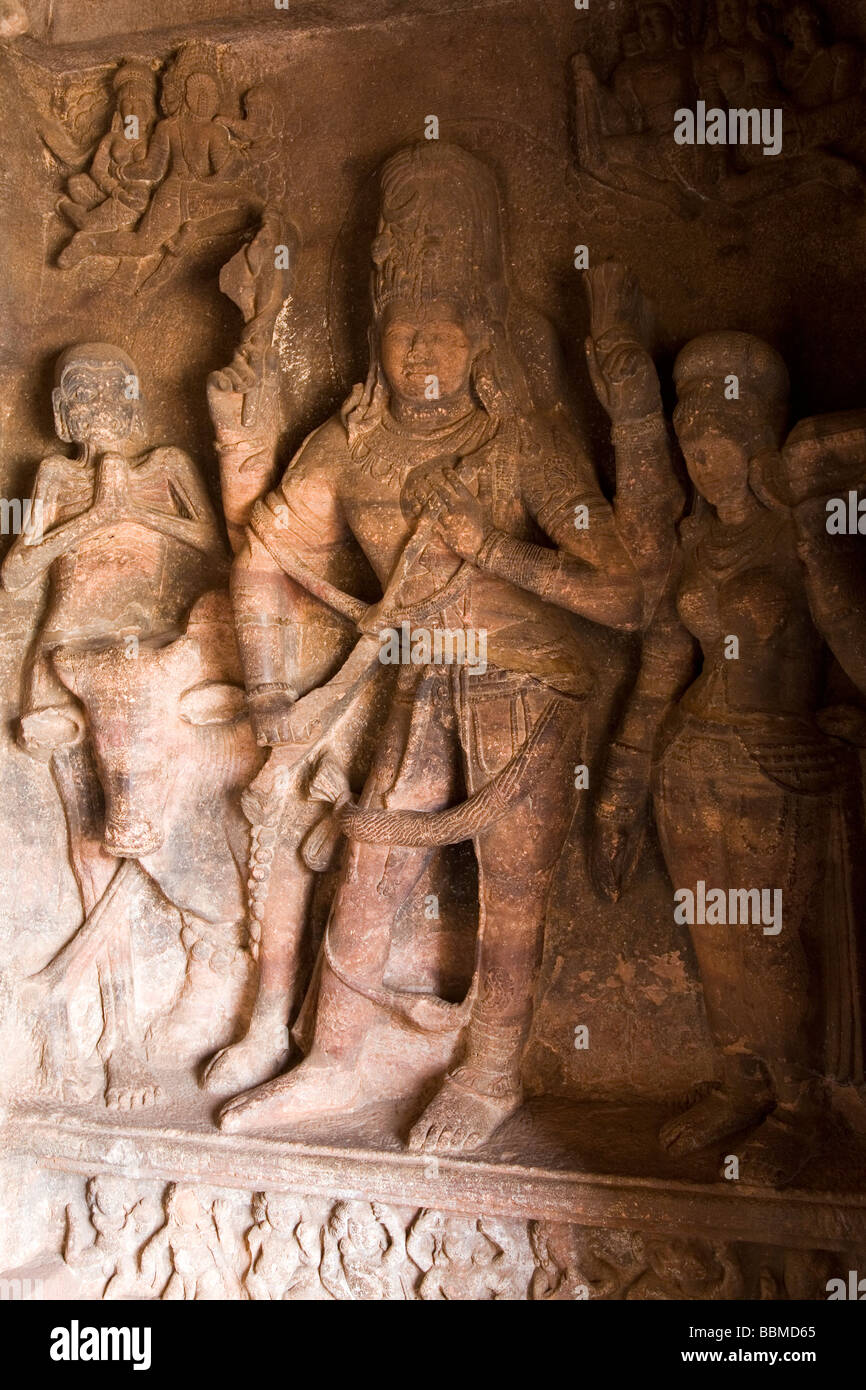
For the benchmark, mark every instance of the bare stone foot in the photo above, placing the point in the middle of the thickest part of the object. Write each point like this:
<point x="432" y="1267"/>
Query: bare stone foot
<point x="717" y="1114"/>
<point x="314" y="1088"/>
<point x="459" y="1120"/>
<point x="261" y="1054"/>
<point x="779" y="1148"/>
<point x="128" y="1083"/>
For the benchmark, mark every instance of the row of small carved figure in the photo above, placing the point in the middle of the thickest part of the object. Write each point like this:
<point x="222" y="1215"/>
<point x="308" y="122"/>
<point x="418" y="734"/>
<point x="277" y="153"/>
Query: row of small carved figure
<point x="298" y="1248"/>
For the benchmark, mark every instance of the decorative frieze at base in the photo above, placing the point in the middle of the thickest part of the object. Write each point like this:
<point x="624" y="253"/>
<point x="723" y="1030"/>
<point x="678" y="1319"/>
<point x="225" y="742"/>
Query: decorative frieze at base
<point x="140" y="1210"/>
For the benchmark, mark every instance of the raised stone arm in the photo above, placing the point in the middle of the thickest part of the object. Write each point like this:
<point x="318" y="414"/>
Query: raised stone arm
<point x="648" y="504"/>
<point x="649" y="498"/>
<point x="820" y="475"/>
<point x="247" y="451"/>
<point x="243" y="397"/>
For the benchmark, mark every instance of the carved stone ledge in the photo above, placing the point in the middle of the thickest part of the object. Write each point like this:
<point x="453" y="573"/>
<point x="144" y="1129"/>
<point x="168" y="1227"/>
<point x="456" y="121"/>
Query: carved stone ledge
<point x="658" y="1205"/>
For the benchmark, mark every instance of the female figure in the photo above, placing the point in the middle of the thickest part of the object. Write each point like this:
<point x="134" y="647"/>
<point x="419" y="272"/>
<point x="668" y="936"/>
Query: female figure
<point x="99" y="200"/>
<point x="749" y="793"/>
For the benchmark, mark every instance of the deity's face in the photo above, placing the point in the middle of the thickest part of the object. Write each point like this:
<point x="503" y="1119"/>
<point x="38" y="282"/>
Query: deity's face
<point x="283" y="1214"/>
<point x="136" y="98"/>
<point x="427" y="353"/>
<point x="656" y="29"/>
<point x="731" y="19"/>
<point x="202" y="95"/>
<point x="364" y="1236"/>
<point x="186" y="1208"/>
<point x="95" y="404"/>
<point x="110" y="1196"/>
<point x="459" y="1240"/>
<point x="717" y="440"/>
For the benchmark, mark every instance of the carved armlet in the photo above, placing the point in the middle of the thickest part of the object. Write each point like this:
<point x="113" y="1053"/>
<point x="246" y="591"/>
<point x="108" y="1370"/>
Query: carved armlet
<point x="522" y="563"/>
<point x="651" y="429"/>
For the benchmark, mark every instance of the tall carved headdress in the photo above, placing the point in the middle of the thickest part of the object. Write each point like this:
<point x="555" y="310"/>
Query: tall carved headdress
<point x="191" y="58"/>
<point x="440" y="237"/>
<point x="440" y="231"/>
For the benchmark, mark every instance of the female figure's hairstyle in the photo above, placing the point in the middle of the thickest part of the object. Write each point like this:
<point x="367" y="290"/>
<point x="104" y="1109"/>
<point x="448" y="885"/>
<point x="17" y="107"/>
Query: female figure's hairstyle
<point x="757" y="416"/>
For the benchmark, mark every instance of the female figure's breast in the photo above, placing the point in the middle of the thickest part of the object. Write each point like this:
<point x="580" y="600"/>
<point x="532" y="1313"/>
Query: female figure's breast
<point x="761" y="650"/>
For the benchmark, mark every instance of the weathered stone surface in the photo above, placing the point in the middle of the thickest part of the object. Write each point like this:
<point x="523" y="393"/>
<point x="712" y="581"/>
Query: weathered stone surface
<point x="431" y="643"/>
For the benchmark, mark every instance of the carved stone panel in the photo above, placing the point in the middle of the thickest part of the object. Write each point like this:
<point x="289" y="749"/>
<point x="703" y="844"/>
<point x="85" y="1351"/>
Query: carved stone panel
<point x="433" y="618"/>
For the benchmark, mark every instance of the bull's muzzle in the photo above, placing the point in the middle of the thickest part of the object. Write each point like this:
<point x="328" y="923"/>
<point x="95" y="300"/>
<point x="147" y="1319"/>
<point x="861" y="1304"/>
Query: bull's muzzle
<point x="130" y="837"/>
<point x="131" y="841"/>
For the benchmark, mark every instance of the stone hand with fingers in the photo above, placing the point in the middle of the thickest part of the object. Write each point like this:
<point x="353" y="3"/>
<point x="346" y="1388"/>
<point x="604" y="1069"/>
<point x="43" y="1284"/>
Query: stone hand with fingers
<point x="463" y="522"/>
